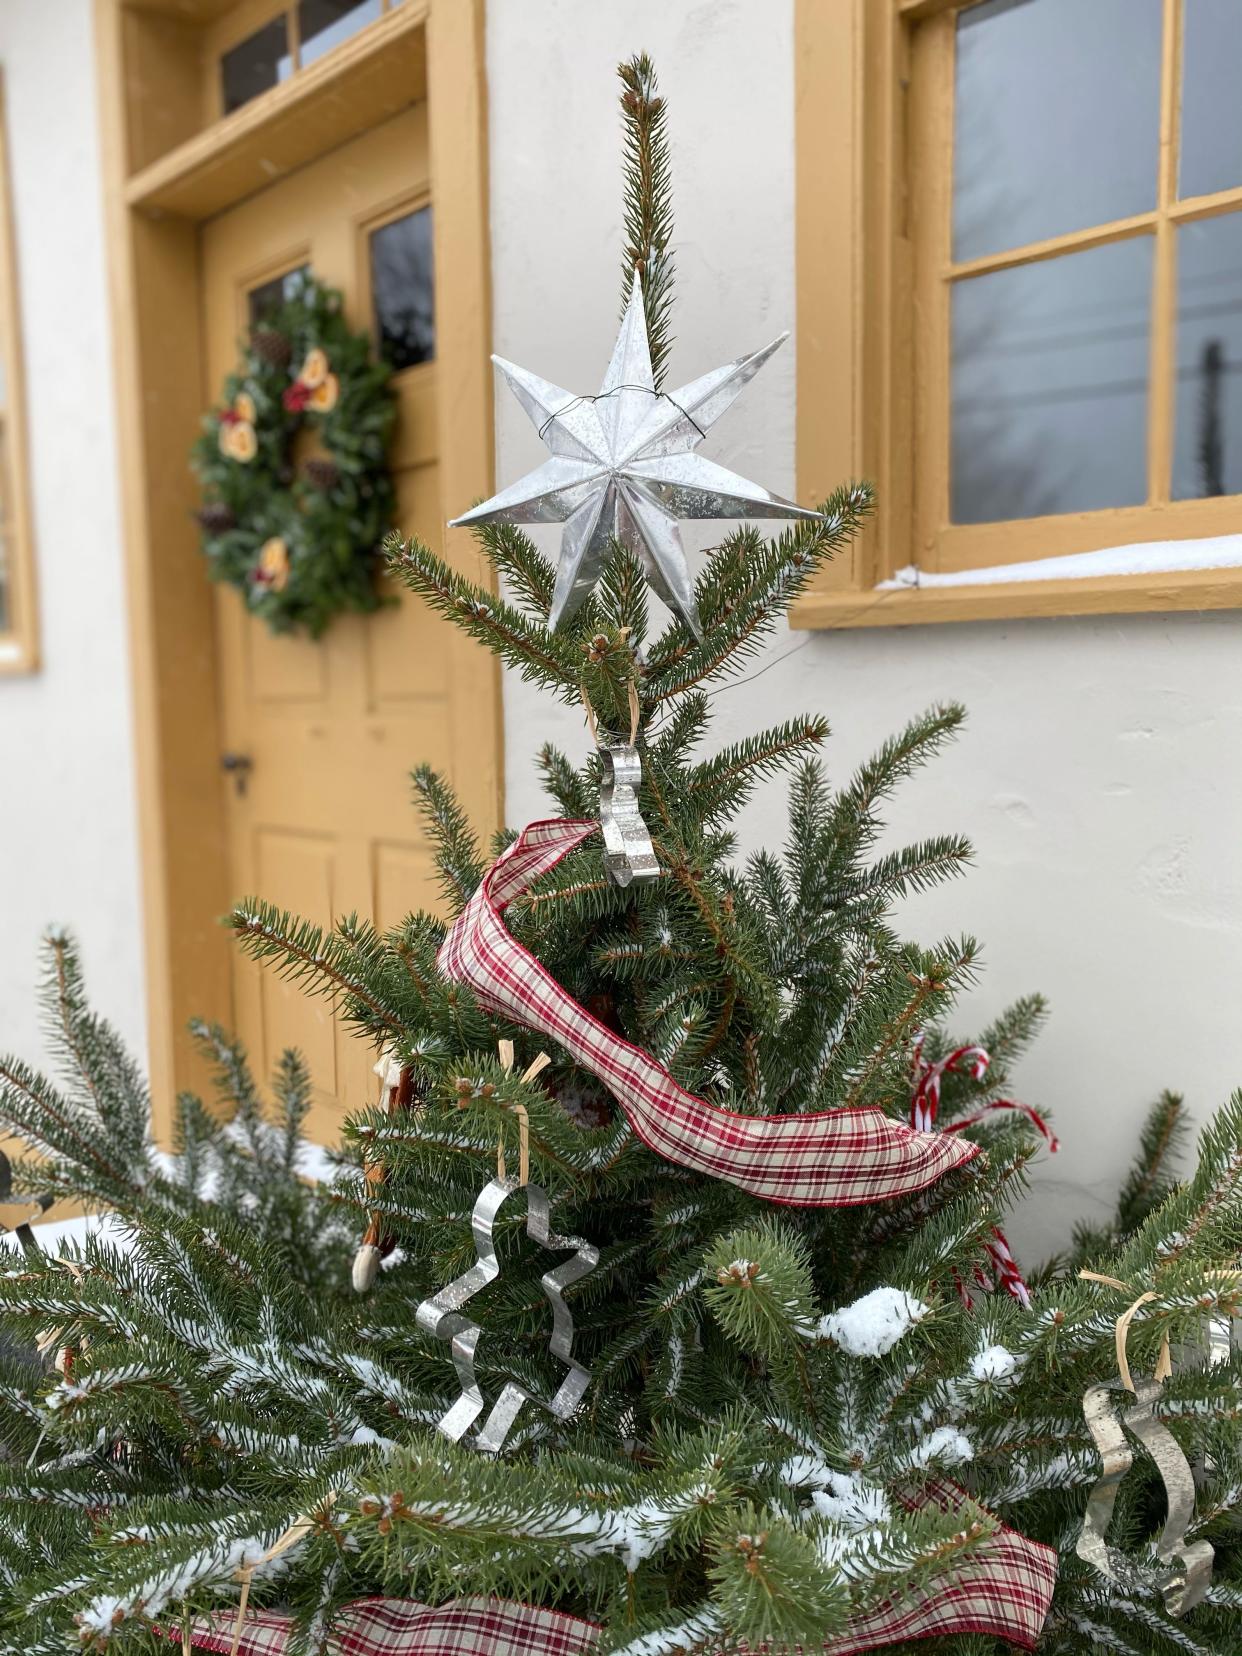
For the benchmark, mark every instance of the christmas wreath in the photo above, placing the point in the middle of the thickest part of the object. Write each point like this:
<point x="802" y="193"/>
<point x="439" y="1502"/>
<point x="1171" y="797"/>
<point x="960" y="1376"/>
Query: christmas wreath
<point x="297" y="496"/>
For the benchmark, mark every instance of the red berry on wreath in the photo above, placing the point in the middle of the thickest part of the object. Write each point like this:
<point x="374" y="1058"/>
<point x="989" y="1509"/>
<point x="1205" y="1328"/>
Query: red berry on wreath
<point x="296" y="396"/>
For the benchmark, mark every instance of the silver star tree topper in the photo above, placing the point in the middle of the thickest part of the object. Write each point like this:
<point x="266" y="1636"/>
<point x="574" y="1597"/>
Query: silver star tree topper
<point x="623" y="467"/>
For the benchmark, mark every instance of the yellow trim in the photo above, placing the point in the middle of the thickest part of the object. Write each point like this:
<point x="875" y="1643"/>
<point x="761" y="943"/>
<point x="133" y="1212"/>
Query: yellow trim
<point x="372" y="75"/>
<point x="19" y="637"/>
<point x="1195" y="589"/>
<point x="152" y="228"/>
<point x="874" y="137"/>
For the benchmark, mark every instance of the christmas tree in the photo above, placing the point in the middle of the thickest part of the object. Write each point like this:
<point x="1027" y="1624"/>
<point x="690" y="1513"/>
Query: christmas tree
<point x="733" y="1353"/>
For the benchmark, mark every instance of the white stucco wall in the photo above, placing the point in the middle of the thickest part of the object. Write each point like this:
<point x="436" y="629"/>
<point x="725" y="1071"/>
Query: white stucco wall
<point x="1099" y="774"/>
<point x="67" y="831"/>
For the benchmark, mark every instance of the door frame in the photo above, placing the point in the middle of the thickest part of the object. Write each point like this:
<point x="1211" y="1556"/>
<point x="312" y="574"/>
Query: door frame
<point x="153" y="210"/>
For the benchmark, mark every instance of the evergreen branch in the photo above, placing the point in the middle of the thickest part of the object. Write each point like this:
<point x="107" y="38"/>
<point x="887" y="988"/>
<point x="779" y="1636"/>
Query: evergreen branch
<point x="1150" y="1179"/>
<point x="747" y="584"/>
<point x="723" y="783"/>
<point x="305" y="953"/>
<point x="537" y="654"/>
<point x="515" y="556"/>
<point x="457" y="859"/>
<point x="648" y="205"/>
<point x="563" y="782"/>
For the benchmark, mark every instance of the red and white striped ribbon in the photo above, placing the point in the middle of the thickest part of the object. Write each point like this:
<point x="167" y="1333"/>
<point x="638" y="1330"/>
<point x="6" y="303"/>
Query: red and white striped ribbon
<point x="835" y="1158"/>
<point x="924" y="1108"/>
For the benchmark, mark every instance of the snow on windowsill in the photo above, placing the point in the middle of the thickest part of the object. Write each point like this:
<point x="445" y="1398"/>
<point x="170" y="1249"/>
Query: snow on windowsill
<point x="1148" y="558"/>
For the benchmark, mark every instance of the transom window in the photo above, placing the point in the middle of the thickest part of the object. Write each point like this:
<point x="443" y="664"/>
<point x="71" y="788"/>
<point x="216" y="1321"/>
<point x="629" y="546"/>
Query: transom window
<point x="294" y="36"/>
<point x="1076" y="202"/>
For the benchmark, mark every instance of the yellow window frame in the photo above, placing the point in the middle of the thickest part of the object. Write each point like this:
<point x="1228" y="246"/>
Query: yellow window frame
<point x="874" y="138"/>
<point x="18" y="619"/>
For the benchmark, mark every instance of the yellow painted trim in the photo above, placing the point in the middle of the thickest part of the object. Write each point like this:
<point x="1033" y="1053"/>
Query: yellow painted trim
<point x="368" y="77"/>
<point x="152" y="230"/>
<point x="19" y="639"/>
<point x="1197" y="589"/>
<point x="874" y="135"/>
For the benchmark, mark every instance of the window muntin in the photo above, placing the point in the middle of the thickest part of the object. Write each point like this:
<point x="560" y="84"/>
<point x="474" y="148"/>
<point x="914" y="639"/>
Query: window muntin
<point x="1142" y="377"/>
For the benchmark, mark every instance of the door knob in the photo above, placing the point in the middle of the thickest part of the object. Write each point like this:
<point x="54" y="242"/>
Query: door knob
<point x="238" y="766"/>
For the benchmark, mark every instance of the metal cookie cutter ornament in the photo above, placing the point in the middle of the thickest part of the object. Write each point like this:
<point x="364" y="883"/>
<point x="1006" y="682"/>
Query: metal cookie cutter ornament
<point x="440" y="1315"/>
<point x="1187" y="1565"/>
<point x="628" y="851"/>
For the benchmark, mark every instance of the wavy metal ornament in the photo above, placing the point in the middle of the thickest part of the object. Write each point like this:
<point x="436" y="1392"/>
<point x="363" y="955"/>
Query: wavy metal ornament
<point x="441" y="1316"/>
<point x="1187" y="1564"/>
<point x="628" y="852"/>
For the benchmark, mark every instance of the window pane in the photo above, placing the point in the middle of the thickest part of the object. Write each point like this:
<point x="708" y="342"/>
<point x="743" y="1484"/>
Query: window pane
<point x="1057" y="118"/>
<point x="1207" y="450"/>
<point x="323" y="24"/>
<point x="261" y="301"/>
<point x="402" y="289"/>
<point x="1211" y="152"/>
<point x="255" y="64"/>
<point x="1049" y="385"/>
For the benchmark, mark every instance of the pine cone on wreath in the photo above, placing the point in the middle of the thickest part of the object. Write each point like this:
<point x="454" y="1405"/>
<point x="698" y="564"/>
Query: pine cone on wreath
<point x="271" y="346"/>
<point x="321" y="473"/>
<point x="216" y="518"/>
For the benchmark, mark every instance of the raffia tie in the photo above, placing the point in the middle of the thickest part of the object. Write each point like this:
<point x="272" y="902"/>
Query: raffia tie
<point x="1164" y="1363"/>
<point x="539" y="1064"/>
<point x="298" y="1530"/>
<point x="593" y="721"/>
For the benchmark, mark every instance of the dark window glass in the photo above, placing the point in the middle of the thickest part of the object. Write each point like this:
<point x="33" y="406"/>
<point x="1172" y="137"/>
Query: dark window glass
<point x="255" y="64"/>
<point x="323" y="24"/>
<point x="1057" y="123"/>
<point x="402" y="289"/>
<point x="1207" y="446"/>
<point x="269" y="296"/>
<point x="1049" y="385"/>
<point x="1211" y="144"/>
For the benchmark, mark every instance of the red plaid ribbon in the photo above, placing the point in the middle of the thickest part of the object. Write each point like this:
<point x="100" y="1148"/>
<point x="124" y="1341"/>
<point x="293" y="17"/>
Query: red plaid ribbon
<point x="403" y="1627"/>
<point x="1002" y="1591"/>
<point x="835" y="1158"/>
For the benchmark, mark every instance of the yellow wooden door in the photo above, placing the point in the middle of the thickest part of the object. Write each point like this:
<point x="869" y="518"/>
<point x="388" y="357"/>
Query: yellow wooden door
<point x="321" y="819"/>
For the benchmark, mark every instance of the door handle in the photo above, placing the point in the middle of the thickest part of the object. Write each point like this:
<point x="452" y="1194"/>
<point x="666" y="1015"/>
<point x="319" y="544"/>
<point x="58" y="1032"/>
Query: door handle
<point x="238" y="766"/>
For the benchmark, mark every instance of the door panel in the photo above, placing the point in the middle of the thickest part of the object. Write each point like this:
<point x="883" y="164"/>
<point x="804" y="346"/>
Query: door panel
<point x="325" y="825"/>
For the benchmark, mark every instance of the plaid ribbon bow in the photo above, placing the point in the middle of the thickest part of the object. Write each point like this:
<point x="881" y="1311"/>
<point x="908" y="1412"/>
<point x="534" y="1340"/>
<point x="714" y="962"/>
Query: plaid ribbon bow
<point x="836" y="1158"/>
